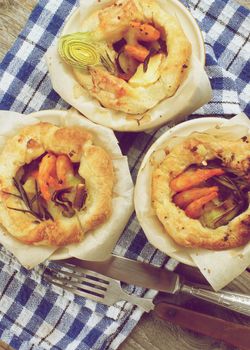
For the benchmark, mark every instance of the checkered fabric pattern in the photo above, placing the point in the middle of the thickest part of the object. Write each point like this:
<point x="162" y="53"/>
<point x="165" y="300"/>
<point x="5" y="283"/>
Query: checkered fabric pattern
<point x="33" y="314"/>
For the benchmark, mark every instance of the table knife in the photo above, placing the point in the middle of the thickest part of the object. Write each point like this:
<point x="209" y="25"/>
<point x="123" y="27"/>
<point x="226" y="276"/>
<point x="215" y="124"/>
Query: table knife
<point x="148" y="276"/>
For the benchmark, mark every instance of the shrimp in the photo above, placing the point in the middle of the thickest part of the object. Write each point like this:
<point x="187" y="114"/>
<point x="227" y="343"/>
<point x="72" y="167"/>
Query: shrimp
<point x="137" y="52"/>
<point x="47" y="175"/>
<point x="64" y="169"/>
<point x="125" y="76"/>
<point x="145" y="32"/>
<point x="183" y="199"/>
<point x="54" y="173"/>
<point x="34" y="174"/>
<point x="190" y="179"/>
<point x="194" y="209"/>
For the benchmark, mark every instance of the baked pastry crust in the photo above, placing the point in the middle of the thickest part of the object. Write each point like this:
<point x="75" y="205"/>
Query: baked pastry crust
<point x="95" y="167"/>
<point x="196" y="149"/>
<point x="110" y="24"/>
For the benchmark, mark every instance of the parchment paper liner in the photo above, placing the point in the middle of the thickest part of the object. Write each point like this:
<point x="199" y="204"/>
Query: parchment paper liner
<point x="97" y="244"/>
<point x="218" y="267"/>
<point x="194" y="91"/>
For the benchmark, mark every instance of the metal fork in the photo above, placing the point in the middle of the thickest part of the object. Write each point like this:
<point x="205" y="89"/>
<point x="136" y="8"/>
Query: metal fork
<point x="92" y="285"/>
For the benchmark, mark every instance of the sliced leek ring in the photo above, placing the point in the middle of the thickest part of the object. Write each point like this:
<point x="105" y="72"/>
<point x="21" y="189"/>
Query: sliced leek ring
<point x="79" y="50"/>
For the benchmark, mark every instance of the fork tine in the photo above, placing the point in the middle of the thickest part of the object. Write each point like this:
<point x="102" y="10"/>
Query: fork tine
<point x="66" y="282"/>
<point x="98" y="299"/>
<point x="84" y="282"/>
<point x="81" y="278"/>
<point x="86" y="272"/>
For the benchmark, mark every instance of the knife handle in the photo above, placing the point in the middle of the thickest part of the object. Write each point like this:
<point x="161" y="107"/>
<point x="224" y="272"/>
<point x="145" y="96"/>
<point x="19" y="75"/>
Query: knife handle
<point x="230" y="332"/>
<point x="231" y="300"/>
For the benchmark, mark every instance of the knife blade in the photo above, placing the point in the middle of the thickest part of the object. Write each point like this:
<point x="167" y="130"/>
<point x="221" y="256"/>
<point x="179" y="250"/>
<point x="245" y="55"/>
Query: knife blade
<point x="132" y="272"/>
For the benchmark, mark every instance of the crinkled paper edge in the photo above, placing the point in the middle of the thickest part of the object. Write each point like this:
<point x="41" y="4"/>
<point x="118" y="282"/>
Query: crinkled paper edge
<point x="212" y="264"/>
<point x="97" y="244"/>
<point x="194" y="91"/>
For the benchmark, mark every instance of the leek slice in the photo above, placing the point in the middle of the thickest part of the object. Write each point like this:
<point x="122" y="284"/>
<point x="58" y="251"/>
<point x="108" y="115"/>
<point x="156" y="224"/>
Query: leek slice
<point x="217" y="215"/>
<point x="82" y="50"/>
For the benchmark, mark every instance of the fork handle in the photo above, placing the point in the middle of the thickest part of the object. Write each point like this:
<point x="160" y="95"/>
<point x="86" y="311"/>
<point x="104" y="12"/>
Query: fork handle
<point x="230" y="332"/>
<point x="231" y="300"/>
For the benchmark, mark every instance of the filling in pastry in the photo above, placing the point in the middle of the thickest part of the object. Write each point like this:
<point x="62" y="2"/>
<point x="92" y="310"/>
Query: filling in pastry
<point x="213" y="194"/>
<point x="129" y="55"/>
<point x="201" y="187"/>
<point x="50" y="186"/>
<point x="55" y="185"/>
<point x="138" y="53"/>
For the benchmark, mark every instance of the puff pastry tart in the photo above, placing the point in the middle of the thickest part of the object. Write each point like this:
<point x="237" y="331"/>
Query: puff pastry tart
<point x="130" y="55"/>
<point x="200" y="191"/>
<point x="55" y="184"/>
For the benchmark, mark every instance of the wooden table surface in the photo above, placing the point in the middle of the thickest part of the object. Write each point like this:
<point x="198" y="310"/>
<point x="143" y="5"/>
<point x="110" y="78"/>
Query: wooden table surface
<point x="151" y="333"/>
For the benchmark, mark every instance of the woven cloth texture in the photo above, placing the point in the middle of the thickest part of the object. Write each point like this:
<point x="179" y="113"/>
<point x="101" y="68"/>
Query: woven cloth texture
<point x="33" y="314"/>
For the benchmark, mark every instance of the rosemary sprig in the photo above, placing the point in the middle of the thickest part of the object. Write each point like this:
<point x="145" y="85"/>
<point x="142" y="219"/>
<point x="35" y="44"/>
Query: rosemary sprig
<point x="37" y="199"/>
<point x="22" y="192"/>
<point x="12" y="194"/>
<point x="233" y="198"/>
<point x="231" y="184"/>
<point x="107" y="62"/>
<point x="42" y="213"/>
<point x="152" y="51"/>
<point x="47" y="214"/>
<point x="23" y="211"/>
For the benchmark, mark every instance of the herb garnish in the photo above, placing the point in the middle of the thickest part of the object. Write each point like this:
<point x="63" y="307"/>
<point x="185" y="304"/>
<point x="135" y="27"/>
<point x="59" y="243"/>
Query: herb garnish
<point x="152" y="51"/>
<point x="59" y="199"/>
<point x="80" y="196"/>
<point x="233" y="198"/>
<point x="107" y="62"/>
<point x="22" y="192"/>
<point x="12" y="194"/>
<point x="41" y="212"/>
<point x="37" y="206"/>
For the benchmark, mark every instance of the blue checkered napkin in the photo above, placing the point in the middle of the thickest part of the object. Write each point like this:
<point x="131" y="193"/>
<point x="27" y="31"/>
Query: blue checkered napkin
<point x="34" y="315"/>
<point x="226" y="30"/>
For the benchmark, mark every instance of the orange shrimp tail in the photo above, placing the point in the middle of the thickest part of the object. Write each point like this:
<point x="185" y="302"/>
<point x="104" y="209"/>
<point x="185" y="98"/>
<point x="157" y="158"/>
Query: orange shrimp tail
<point x="34" y="174"/>
<point x="64" y="168"/>
<point x="54" y="183"/>
<point x="145" y="32"/>
<point x="45" y="191"/>
<point x="46" y="172"/>
<point x="183" y="199"/>
<point x="135" y="24"/>
<point x="137" y="52"/>
<point x="194" y="209"/>
<point x="190" y="179"/>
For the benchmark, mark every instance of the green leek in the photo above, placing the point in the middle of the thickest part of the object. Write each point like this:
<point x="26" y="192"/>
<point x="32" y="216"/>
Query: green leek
<point x="81" y="50"/>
